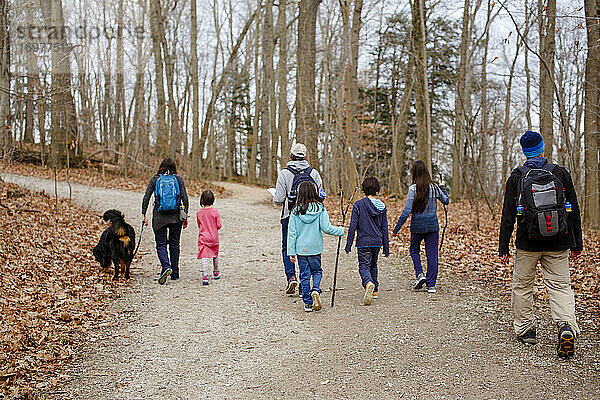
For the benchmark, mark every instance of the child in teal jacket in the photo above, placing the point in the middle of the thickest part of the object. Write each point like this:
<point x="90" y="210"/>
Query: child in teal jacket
<point x="305" y="241"/>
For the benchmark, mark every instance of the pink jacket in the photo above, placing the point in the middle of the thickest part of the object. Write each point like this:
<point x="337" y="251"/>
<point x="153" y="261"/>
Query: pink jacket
<point x="209" y="223"/>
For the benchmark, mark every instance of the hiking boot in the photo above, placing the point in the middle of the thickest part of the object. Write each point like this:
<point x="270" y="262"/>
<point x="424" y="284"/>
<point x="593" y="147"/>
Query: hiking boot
<point x="308" y="307"/>
<point x="368" y="297"/>
<point x="566" y="341"/>
<point x="375" y="295"/>
<point x="419" y="282"/>
<point x="164" y="275"/>
<point x="205" y="280"/>
<point x="291" y="286"/>
<point x="316" y="300"/>
<point x="430" y="289"/>
<point x="529" y="336"/>
<point x="216" y="274"/>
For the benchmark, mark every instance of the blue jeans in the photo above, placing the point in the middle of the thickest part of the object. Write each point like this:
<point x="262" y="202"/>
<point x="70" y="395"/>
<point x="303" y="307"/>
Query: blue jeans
<point x="290" y="269"/>
<point x="310" y="266"/>
<point x="367" y="265"/>
<point x="431" y="250"/>
<point x="172" y="239"/>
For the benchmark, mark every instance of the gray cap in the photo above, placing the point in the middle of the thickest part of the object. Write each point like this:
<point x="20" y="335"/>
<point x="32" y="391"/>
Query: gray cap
<point x="298" y="150"/>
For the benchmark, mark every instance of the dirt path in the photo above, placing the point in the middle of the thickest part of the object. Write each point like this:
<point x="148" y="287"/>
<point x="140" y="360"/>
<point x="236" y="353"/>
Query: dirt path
<point x="242" y="338"/>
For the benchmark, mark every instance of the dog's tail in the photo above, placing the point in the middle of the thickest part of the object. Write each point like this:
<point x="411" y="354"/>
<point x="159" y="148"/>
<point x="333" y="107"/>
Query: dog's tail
<point x="113" y="215"/>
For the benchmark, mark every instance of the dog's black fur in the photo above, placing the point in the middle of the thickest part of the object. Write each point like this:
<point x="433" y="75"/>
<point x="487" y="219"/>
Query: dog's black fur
<point x="117" y="244"/>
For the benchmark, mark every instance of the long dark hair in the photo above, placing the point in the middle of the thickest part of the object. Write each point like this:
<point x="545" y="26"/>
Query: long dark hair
<point x="167" y="165"/>
<point x="422" y="180"/>
<point x="307" y="196"/>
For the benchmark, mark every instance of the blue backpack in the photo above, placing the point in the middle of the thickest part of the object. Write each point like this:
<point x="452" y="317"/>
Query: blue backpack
<point x="167" y="194"/>
<point x="299" y="177"/>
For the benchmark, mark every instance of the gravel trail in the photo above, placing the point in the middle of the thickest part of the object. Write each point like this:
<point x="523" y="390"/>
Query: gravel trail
<point x="243" y="338"/>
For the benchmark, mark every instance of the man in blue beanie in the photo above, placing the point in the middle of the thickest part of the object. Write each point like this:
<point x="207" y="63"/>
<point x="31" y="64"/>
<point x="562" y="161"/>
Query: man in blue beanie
<point x="541" y="198"/>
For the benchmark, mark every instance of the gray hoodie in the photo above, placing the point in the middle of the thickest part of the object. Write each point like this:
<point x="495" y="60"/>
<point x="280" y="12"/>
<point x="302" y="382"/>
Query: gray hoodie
<point x="285" y="180"/>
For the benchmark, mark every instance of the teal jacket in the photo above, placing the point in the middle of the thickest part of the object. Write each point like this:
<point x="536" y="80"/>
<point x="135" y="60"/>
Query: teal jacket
<point x="304" y="231"/>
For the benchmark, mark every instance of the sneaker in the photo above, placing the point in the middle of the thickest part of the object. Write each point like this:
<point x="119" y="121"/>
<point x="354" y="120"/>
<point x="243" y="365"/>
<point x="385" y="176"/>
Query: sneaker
<point x="368" y="298"/>
<point x="430" y="289"/>
<point x="164" y="275"/>
<point x="291" y="286"/>
<point x="529" y="336"/>
<point x="375" y="295"/>
<point x="308" y="307"/>
<point x="316" y="300"/>
<point x="216" y="274"/>
<point x="419" y="282"/>
<point x="566" y="341"/>
<point x="205" y="280"/>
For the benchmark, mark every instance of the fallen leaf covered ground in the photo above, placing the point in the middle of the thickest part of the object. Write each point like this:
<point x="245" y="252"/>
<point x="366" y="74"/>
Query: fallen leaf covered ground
<point x="51" y="290"/>
<point x="471" y="249"/>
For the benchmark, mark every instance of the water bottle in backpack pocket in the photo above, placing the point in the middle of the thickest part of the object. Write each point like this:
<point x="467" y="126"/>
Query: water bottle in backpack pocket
<point x="541" y="203"/>
<point x="167" y="194"/>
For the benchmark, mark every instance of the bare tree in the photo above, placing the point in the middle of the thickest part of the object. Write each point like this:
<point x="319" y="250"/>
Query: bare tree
<point x="547" y="23"/>
<point x="307" y="129"/>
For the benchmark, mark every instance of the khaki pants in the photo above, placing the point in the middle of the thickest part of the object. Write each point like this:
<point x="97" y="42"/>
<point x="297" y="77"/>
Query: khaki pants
<point x="557" y="278"/>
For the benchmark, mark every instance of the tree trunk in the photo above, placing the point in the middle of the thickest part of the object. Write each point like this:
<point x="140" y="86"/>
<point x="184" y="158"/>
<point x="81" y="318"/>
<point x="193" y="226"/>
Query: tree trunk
<point x="547" y="10"/>
<point x="162" y="133"/>
<point x="423" y="107"/>
<point x="33" y="82"/>
<point x="460" y="122"/>
<point x="194" y="170"/>
<point x="5" y="122"/>
<point x="307" y="128"/>
<point x="268" y="97"/>
<point x="592" y="116"/>
<point x="282" y="72"/>
<point x="63" y="113"/>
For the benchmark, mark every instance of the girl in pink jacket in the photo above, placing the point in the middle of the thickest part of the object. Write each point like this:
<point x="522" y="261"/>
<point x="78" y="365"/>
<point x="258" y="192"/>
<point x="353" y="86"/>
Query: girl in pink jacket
<point x="209" y="223"/>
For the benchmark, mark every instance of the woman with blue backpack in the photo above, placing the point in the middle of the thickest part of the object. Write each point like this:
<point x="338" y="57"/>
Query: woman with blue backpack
<point x="169" y="216"/>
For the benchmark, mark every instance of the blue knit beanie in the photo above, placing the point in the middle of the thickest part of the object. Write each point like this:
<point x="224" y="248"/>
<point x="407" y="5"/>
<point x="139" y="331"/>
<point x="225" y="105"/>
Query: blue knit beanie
<point x="532" y="144"/>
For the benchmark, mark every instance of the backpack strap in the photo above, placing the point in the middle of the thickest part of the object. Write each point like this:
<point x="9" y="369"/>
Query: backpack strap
<point x="292" y="170"/>
<point x="549" y="167"/>
<point x="524" y="170"/>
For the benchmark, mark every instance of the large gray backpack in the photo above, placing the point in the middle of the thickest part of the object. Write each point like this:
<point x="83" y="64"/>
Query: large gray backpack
<point x="542" y="198"/>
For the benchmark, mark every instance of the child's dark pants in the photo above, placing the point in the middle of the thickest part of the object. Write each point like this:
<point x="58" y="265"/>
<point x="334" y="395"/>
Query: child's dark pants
<point x="431" y="250"/>
<point x="309" y="266"/>
<point x="367" y="265"/>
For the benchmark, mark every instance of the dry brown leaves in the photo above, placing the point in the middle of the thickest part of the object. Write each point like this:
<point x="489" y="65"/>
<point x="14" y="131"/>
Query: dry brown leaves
<point x="94" y="177"/>
<point x="471" y="249"/>
<point x="51" y="291"/>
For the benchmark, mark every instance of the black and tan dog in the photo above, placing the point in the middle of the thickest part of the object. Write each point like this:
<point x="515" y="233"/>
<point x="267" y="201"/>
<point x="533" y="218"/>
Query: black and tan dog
<point x="116" y="244"/>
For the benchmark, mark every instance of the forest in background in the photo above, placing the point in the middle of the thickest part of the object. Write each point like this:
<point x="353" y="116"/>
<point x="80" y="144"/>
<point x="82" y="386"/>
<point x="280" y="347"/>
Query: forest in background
<point x="225" y="87"/>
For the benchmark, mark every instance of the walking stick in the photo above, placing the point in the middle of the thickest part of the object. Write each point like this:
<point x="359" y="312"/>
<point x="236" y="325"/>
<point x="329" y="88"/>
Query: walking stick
<point x="337" y="255"/>
<point x="139" y="240"/>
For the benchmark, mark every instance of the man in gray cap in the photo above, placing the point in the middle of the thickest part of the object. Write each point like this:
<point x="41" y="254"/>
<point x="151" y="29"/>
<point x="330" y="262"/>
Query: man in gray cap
<point x="296" y="171"/>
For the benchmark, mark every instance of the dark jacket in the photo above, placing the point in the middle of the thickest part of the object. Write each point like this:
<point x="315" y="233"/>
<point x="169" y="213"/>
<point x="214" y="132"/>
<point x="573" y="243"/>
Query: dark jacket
<point x="509" y="215"/>
<point x="160" y="220"/>
<point x="370" y="223"/>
